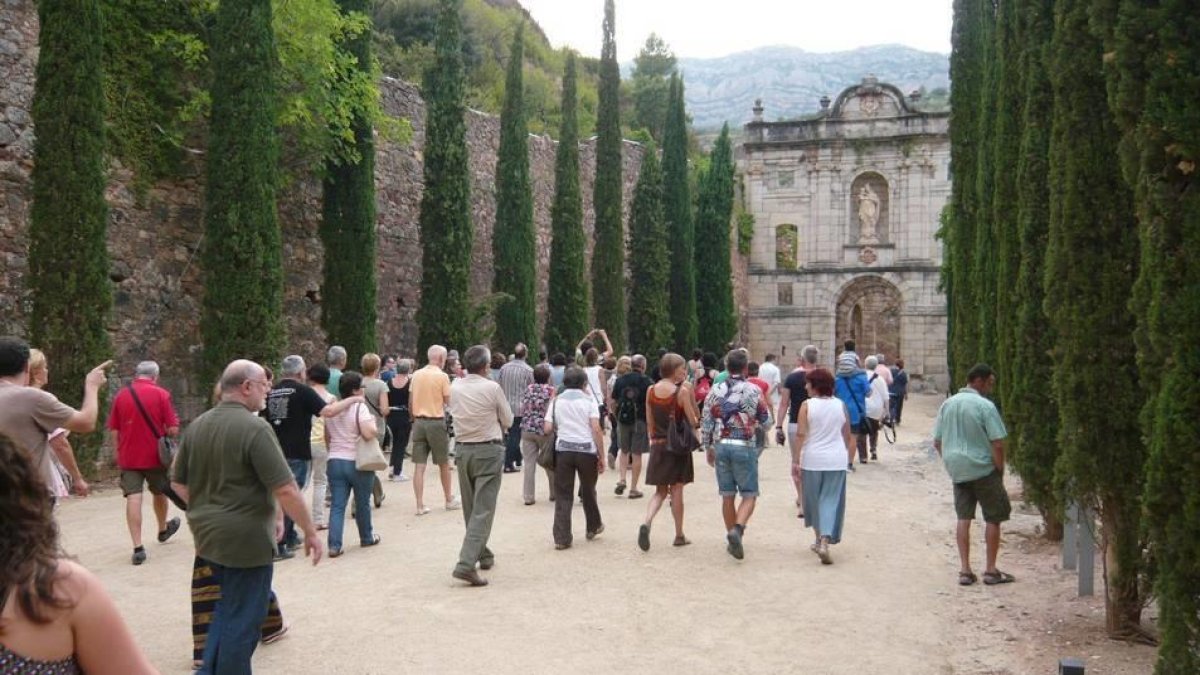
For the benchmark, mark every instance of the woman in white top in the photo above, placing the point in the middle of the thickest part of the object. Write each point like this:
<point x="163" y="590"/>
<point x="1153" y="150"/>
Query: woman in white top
<point x="822" y="452"/>
<point x="343" y="431"/>
<point x="575" y="416"/>
<point x="877" y="404"/>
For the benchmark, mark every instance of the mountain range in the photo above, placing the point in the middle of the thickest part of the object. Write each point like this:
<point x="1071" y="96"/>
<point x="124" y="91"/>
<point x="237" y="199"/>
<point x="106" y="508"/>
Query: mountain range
<point x="791" y="81"/>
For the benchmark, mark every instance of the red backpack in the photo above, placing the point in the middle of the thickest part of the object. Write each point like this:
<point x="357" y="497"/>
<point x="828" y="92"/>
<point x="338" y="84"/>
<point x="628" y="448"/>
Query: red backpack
<point x="703" y="386"/>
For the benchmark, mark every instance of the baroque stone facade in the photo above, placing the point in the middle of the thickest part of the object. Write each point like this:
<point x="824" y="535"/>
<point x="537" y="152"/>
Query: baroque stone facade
<point x="846" y="208"/>
<point x="154" y="237"/>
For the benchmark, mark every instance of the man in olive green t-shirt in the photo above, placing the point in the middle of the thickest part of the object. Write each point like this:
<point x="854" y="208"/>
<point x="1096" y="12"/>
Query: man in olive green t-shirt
<point x="969" y="435"/>
<point x="231" y="471"/>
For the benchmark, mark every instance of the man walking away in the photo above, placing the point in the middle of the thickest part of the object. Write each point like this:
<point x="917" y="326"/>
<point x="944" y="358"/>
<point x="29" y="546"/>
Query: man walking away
<point x="876" y="405"/>
<point x="734" y="411"/>
<point x="898" y="391"/>
<point x="793" y="395"/>
<point x="141" y="414"/>
<point x="969" y="435"/>
<point x="852" y="387"/>
<point x="429" y="394"/>
<point x="231" y="471"/>
<point x="515" y="378"/>
<point x="770" y="373"/>
<point x="629" y="392"/>
<point x="481" y="416"/>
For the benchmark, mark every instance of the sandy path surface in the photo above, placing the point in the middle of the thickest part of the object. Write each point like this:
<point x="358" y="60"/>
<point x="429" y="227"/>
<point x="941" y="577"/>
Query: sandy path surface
<point x="889" y="604"/>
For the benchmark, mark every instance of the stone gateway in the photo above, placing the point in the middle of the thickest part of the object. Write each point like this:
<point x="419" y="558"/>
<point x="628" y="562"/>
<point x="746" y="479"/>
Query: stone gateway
<point x="846" y="206"/>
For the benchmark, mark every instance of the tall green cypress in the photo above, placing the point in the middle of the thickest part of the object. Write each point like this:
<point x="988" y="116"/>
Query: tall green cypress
<point x="608" y="256"/>
<point x="1091" y="263"/>
<point x="567" y="306"/>
<point x="514" y="245"/>
<point x="446" y="312"/>
<point x="1005" y="156"/>
<point x="347" y="230"/>
<point x="677" y="206"/>
<point x="717" y="321"/>
<point x="983" y="268"/>
<point x="958" y="221"/>
<point x="68" y="254"/>
<point x="242" y="260"/>
<point x="1154" y="72"/>
<point x="1030" y="406"/>
<point x="649" y="296"/>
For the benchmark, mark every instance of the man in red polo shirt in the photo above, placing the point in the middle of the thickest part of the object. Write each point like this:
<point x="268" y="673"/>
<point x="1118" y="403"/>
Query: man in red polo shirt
<point x="136" y="440"/>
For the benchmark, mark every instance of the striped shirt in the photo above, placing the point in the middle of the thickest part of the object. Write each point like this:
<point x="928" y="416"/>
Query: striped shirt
<point x="515" y="378"/>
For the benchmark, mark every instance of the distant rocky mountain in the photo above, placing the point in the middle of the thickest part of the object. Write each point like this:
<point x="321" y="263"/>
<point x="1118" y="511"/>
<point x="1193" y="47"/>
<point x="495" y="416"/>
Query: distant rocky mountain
<point x="791" y="81"/>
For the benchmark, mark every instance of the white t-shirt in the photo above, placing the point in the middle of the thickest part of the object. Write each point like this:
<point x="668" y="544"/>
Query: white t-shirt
<point x="572" y="412"/>
<point x="768" y="372"/>
<point x="825" y="447"/>
<point x="593" y="373"/>
<point x="877" y="399"/>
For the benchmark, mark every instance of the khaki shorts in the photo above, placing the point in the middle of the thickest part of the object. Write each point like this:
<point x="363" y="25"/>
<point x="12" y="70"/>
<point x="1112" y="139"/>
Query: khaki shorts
<point x="429" y="437"/>
<point x="633" y="438"/>
<point x="132" y="481"/>
<point x="989" y="493"/>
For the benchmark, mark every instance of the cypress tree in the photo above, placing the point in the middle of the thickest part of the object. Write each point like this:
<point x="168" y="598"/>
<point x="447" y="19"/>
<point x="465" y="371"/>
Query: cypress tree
<point x="717" y="322"/>
<point x="1006" y="149"/>
<point x="608" y="256"/>
<point x="1091" y="262"/>
<point x="958" y="220"/>
<point x="677" y="206"/>
<point x="1156" y="55"/>
<point x="649" y="296"/>
<point x="446" y="312"/>
<point x="1030" y="406"/>
<point x="514" y="245"/>
<point x="567" y="306"/>
<point x="982" y="279"/>
<point x="68" y="254"/>
<point x="243" y="268"/>
<point x="347" y="230"/>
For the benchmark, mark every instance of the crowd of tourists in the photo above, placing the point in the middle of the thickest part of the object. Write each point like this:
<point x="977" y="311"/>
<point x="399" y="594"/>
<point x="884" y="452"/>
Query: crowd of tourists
<point x="240" y="471"/>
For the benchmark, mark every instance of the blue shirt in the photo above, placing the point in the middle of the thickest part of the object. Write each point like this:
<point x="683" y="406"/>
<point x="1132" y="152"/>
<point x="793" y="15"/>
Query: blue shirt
<point x="967" y="423"/>
<point x="852" y="390"/>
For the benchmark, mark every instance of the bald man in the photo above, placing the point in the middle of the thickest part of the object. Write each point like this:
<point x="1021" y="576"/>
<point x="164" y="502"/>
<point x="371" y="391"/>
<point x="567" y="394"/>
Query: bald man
<point x="231" y="471"/>
<point x="428" y="396"/>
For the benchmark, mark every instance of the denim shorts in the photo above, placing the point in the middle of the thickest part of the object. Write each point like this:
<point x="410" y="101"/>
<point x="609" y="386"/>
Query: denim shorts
<point x="737" y="470"/>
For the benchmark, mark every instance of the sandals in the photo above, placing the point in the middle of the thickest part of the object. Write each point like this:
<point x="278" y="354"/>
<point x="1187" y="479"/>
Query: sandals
<point x="967" y="578"/>
<point x="998" y="577"/>
<point x="620" y="489"/>
<point x="681" y="541"/>
<point x="424" y="510"/>
<point x="644" y="537"/>
<point x="635" y="494"/>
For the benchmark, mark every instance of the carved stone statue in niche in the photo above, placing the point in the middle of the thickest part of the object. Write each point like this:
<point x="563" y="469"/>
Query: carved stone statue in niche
<point x="868" y="215"/>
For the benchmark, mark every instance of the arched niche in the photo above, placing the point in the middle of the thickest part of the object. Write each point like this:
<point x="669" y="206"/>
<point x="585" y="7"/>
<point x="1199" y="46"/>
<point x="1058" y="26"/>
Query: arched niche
<point x="869" y="204"/>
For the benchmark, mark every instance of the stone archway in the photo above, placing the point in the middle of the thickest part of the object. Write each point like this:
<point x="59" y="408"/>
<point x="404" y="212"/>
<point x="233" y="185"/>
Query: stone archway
<point x="868" y="312"/>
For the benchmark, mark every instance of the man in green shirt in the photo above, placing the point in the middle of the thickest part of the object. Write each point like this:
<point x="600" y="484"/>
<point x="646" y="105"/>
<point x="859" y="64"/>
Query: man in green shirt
<point x="231" y="471"/>
<point x="969" y="435"/>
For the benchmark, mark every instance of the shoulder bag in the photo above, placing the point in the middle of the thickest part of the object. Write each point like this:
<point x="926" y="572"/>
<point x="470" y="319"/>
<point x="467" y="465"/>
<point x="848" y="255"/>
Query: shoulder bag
<point x="546" y="454"/>
<point x="386" y="440"/>
<point x="368" y="456"/>
<point x="681" y="440"/>
<point x="167" y="447"/>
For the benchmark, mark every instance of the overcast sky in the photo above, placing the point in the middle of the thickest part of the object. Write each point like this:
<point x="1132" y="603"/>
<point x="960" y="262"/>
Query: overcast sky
<point x="709" y="28"/>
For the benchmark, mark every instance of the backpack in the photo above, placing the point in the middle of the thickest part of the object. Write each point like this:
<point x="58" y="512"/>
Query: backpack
<point x="627" y="406"/>
<point x="703" y="386"/>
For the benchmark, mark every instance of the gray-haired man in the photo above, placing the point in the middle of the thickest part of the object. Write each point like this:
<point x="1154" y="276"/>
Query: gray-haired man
<point x="291" y="406"/>
<point x="335" y="358"/>
<point x="481" y="417"/>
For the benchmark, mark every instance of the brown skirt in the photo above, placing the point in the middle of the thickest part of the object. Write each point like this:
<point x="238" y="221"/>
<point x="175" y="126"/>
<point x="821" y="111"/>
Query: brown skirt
<point x="668" y="468"/>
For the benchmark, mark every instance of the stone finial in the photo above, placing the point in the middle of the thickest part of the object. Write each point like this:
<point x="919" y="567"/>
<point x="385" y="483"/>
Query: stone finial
<point x="915" y="96"/>
<point x="870" y="79"/>
<point x="825" y="101"/>
<point x="758" y="110"/>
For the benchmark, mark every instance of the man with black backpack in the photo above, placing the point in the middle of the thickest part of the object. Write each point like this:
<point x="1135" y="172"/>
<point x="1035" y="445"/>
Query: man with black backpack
<point x="629" y="392"/>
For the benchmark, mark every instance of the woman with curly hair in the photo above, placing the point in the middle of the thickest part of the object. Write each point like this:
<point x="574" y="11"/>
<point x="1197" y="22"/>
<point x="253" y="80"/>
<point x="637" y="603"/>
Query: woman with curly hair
<point x="55" y="616"/>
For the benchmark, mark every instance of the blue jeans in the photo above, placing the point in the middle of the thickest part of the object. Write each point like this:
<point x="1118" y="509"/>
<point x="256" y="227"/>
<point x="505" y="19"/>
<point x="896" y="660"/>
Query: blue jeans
<point x="235" y="629"/>
<point x="344" y="477"/>
<point x="299" y="469"/>
<point x="737" y="470"/>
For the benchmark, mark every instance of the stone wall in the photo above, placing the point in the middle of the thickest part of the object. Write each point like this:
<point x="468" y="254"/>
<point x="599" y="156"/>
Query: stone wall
<point x="154" y="237"/>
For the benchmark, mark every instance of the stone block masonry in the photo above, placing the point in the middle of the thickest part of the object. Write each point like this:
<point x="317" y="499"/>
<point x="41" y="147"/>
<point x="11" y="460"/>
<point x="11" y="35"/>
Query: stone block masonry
<point x="154" y="237"/>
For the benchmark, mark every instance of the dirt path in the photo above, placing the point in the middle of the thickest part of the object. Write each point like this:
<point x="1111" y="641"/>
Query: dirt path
<point x="889" y="604"/>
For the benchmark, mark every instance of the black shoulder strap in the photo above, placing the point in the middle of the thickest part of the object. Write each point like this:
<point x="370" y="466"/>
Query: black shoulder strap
<point x="137" y="401"/>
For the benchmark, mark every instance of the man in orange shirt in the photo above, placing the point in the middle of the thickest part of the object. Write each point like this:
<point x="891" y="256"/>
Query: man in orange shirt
<point x="429" y="394"/>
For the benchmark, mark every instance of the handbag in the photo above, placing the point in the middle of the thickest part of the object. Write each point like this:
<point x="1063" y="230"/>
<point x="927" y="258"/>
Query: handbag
<point x="368" y="456"/>
<point x="167" y="447"/>
<point x="546" y="454"/>
<point x="386" y="441"/>
<point x="680" y="438"/>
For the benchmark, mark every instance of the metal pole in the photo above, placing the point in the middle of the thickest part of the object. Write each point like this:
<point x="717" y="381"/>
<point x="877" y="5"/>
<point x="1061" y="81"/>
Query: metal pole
<point x="1087" y="552"/>
<point x="1071" y="521"/>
